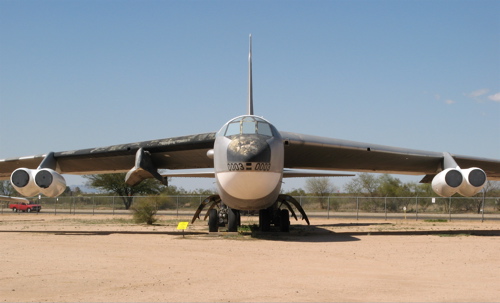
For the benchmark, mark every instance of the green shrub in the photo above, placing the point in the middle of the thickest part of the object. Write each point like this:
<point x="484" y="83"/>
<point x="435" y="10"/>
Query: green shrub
<point x="165" y="203"/>
<point x="145" y="211"/>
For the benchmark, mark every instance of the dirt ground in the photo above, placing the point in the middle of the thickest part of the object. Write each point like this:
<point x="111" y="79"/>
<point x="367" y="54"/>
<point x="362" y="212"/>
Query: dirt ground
<point x="61" y="258"/>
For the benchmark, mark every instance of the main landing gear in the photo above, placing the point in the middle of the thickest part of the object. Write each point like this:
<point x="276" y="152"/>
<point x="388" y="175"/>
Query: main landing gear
<point x="278" y="215"/>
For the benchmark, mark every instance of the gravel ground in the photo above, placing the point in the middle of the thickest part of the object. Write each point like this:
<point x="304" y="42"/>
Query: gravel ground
<point x="85" y="258"/>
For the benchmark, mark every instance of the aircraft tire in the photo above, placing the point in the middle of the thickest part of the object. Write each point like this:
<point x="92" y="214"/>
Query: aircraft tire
<point x="213" y="218"/>
<point x="284" y="220"/>
<point x="264" y="220"/>
<point x="233" y="220"/>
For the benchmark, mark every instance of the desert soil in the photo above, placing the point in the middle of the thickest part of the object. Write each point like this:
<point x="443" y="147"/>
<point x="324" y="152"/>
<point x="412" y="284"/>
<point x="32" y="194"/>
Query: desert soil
<point x="75" y="258"/>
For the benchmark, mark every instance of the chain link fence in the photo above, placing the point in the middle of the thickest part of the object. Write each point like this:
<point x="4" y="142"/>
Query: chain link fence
<point x="332" y="206"/>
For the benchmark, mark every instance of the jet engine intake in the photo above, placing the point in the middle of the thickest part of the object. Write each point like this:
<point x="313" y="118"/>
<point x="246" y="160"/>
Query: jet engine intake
<point x="466" y="182"/>
<point x="45" y="181"/>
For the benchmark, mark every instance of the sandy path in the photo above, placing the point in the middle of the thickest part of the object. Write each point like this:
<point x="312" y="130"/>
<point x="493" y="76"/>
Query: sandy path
<point x="89" y="258"/>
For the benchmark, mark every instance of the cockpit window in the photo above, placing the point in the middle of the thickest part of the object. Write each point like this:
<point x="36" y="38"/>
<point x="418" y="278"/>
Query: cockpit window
<point x="233" y="128"/>
<point x="263" y="128"/>
<point x="247" y="125"/>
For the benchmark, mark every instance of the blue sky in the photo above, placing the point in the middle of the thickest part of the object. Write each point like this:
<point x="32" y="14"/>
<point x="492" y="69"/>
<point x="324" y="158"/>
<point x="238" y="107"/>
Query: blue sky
<point x="415" y="74"/>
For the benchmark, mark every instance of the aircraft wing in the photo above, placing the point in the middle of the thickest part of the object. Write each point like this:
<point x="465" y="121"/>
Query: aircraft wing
<point x="301" y="152"/>
<point x="305" y="173"/>
<point x="313" y="152"/>
<point x="14" y="199"/>
<point x="172" y="153"/>
<point x="190" y="173"/>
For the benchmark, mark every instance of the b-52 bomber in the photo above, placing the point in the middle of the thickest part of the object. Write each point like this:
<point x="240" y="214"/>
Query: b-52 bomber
<point x="248" y="157"/>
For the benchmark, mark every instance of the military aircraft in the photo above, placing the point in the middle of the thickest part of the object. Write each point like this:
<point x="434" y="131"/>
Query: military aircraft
<point x="248" y="157"/>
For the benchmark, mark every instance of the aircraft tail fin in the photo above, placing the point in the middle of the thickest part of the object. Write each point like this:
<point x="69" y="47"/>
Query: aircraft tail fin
<point x="250" y="88"/>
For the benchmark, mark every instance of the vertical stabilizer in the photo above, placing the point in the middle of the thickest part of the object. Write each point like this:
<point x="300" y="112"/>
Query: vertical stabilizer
<point x="250" y="88"/>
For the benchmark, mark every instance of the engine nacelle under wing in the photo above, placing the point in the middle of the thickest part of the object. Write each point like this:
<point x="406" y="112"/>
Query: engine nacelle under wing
<point x="23" y="181"/>
<point x="447" y="182"/>
<point x="45" y="181"/>
<point x="50" y="182"/>
<point x="466" y="182"/>
<point x="474" y="181"/>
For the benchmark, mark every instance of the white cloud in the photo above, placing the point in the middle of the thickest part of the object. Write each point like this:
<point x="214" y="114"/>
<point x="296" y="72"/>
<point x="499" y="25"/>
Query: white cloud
<point x="449" y="102"/>
<point x="478" y="93"/>
<point x="495" y="97"/>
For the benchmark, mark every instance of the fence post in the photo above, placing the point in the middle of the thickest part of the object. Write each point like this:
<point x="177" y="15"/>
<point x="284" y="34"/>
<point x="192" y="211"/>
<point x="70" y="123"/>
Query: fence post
<point x="416" y="208"/>
<point x="449" y="209"/>
<point x="93" y="205"/>
<point x="328" y="209"/>
<point x="177" y="198"/>
<point x="357" y="207"/>
<point x="482" y="217"/>
<point x="385" y="207"/>
<point x="113" y="201"/>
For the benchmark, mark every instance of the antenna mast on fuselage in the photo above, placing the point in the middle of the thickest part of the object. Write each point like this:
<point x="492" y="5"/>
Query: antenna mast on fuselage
<point x="250" y="88"/>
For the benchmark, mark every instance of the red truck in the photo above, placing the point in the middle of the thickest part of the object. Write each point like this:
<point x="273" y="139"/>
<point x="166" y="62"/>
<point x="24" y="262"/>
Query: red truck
<point x="21" y="204"/>
<point x="24" y="207"/>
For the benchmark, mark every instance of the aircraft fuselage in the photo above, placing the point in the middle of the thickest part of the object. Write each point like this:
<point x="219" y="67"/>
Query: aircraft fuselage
<point x="248" y="163"/>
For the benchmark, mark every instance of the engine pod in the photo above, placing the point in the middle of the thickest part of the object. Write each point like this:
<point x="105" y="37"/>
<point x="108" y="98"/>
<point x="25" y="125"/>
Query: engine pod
<point x="50" y="182"/>
<point x="474" y="181"/>
<point x="447" y="182"/>
<point x="23" y="182"/>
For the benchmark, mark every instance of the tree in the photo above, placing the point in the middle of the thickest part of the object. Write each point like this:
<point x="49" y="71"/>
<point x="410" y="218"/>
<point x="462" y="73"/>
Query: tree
<point x="491" y="188"/>
<point x="363" y="183"/>
<point x="173" y="190"/>
<point x="389" y="186"/>
<point x="320" y="187"/>
<point x="421" y="189"/>
<point x="203" y="192"/>
<point x="6" y="188"/>
<point x="115" y="183"/>
<point x="296" y="192"/>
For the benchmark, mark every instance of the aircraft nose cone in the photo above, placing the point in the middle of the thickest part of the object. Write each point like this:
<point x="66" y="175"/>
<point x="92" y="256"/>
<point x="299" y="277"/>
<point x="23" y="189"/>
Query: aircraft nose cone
<point x="249" y="148"/>
<point x="248" y="185"/>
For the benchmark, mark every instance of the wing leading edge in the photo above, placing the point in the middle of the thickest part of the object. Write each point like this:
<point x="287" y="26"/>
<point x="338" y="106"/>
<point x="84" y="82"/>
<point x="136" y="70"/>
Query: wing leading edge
<point x="172" y="153"/>
<point x="321" y="153"/>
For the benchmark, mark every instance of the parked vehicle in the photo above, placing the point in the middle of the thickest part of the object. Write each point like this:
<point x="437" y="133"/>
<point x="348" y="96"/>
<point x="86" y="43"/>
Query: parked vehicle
<point x="25" y="207"/>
